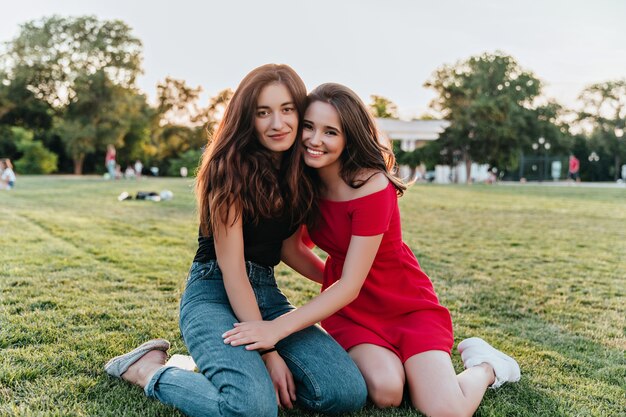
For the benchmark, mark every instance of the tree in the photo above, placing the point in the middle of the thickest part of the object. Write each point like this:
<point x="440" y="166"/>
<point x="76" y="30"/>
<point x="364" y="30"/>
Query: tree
<point x="489" y="101"/>
<point x="604" y="108"/>
<point x="36" y="159"/>
<point x="77" y="138"/>
<point x="20" y="108"/>
<point x="176" y="127"/>
<point x="383" y="107"/>
<point x="138" y="136"/>
<point x="189" y="160"/>
<point x="214" y="112"/>
<point x="52" y="53"/>
<point x="99" y="114"/>
<point x="177" y="102"/>
<point x="181" y="123"/>
<point x="85" y="70"/>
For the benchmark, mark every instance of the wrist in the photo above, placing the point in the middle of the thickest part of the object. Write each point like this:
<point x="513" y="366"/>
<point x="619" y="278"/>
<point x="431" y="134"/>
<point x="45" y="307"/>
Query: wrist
<point x="282" y="326"/>
<point x="268" y="354"/>
<point x="267" y="351"/>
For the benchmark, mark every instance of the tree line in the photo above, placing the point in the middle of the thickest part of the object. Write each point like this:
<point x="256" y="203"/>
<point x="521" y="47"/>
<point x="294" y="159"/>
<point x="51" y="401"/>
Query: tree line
<point x="69" y="89"/>
<point x="498" y="115"/>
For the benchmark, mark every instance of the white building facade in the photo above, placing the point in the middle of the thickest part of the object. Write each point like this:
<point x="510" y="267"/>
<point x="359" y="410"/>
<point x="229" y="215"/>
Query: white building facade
<point x="417" y="133"/>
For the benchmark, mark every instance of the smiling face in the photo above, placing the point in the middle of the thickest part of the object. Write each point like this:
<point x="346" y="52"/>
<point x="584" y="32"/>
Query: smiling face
<point x="276" y="118"/>
<point x="322" y="136"/>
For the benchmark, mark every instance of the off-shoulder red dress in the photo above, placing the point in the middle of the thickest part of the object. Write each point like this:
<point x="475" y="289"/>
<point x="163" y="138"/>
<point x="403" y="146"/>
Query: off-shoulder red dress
<point x="397" y="307"/>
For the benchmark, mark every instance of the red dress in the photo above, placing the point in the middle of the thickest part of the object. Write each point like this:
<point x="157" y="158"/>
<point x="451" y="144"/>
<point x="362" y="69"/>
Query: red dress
<point x="397" y="307"/>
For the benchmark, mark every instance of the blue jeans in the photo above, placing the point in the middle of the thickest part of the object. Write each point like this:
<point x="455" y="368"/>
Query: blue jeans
<point x="110" y="165"/>
<point x="233" y="381"/>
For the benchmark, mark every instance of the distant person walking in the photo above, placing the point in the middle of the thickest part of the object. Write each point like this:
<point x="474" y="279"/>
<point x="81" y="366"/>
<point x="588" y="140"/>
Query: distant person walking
<point x="109" y="161"/>
<point x="7" y="175"/>
<point x="574" y="168"/>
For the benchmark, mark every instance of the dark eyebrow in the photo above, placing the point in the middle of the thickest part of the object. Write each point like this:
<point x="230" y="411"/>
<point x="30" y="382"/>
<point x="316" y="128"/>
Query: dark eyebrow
<point x="325" y="127"/>
<point x="289" y="103"/>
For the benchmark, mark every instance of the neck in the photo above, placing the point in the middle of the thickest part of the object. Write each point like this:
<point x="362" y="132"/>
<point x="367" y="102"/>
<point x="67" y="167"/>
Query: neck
<point x="331" y="180"/>
<point x="277" y="158"/>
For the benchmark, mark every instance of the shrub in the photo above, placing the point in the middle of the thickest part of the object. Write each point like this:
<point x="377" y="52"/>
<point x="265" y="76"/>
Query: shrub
<point x="189" y="159"/>
<point x="36" y="159"/>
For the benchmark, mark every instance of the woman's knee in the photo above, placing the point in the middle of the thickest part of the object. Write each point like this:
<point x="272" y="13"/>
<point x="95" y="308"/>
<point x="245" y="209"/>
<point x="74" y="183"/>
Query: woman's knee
<point x="346" y="396"/>
<point x="386" y="390"/>
<point x="330" y="392"/>
<point x="328" y="379"/>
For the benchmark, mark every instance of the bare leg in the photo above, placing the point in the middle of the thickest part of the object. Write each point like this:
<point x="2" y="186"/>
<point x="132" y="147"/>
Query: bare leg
<point x="436" y="390"/>
<point x="140" y="372"/>
<point x="383" y="374"/>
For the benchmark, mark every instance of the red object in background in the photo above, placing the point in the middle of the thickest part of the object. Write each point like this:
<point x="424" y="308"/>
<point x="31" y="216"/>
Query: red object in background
<point x="306" y="239"/>
<point x="574" y="164"/>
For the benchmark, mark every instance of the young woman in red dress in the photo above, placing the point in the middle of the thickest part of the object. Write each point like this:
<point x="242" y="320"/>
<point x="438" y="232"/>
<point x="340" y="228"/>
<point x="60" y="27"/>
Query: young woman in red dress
<point x="375" y="300"/>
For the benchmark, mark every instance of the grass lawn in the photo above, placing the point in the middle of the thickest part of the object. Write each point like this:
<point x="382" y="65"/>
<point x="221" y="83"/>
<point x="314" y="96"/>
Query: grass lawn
<point x="540" y="272"/>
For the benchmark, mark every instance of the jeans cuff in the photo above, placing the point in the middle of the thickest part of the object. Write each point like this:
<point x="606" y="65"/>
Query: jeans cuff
<point x="151" y="385"/>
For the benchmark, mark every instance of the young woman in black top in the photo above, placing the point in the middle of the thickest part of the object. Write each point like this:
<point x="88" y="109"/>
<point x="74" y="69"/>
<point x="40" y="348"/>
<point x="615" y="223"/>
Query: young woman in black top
<point x="251" y="197"/>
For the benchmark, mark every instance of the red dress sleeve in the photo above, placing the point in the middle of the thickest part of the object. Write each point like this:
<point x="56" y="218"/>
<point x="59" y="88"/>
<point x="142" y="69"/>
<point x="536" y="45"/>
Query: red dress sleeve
<point x="371" y="215"/>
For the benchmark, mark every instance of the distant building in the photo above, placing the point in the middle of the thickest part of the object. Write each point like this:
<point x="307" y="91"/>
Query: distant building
<point x="417" y="133"/>
<point x="411" y="134"/>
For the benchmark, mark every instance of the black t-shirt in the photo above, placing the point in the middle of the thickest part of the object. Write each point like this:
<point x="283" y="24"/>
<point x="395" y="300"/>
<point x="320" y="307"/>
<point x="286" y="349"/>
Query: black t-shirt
<point x="262" y="242"/>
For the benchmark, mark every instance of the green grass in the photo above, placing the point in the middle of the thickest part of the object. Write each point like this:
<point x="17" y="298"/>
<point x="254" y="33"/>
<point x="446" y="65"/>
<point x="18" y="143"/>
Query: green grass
<point x="539" y="272"/>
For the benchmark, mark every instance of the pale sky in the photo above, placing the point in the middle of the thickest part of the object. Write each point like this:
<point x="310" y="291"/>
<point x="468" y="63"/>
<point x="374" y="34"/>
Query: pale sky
<point x="388" y="48"/>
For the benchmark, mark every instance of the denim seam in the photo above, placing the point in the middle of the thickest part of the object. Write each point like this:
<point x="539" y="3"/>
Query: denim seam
<point x="151" y="385"/>
<point x="207" y="270"/>
<point x="197" y="273"/>
<point x="309" y="375"/>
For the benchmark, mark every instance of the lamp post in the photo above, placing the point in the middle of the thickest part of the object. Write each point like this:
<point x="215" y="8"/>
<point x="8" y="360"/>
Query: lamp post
<point x="593" y="158"/>
<point x="619" y="132"/>
<point x="543" y="147"/>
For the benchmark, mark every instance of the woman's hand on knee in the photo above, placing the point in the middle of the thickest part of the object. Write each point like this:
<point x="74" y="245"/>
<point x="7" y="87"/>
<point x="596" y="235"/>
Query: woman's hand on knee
<point x="255" y="335"/>
<point x="282" y="379"/>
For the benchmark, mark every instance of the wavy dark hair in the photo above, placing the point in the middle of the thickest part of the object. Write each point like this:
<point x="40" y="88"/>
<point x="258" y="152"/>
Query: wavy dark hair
<point x="364" y="151"/>
<point x="237" y="171"/>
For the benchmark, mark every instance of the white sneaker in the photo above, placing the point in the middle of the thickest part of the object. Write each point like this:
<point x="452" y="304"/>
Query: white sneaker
<point x="475" y="351"/>
<point x="185" y="362"/>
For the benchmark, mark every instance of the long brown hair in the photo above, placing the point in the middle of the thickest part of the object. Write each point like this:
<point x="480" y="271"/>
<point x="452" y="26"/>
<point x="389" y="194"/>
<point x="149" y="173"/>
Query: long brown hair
<point x="363" y="151"/>
<point x="237" y="171"/>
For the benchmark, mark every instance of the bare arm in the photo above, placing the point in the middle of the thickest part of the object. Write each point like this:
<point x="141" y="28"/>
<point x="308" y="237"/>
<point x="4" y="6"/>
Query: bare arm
<point x="359" y="259"/>
<point x="230" y="257"/>
<point x="229" y="248"/>
<point x="302" y="259"/>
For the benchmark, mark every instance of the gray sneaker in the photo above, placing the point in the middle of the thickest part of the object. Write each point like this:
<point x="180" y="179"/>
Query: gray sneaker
<point x="120" y="364"/>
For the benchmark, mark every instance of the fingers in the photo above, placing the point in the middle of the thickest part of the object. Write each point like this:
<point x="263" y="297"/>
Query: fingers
<point x="291" y="386"/>
<point x="253" y="335"/>
<point x="239" y="336"/>
<point x="249" y="342"/>
<point x="285" y="397"/>
<point x="240" y="339"/>
<point x="234" y="331"/>
<point x="283" y="391"/>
